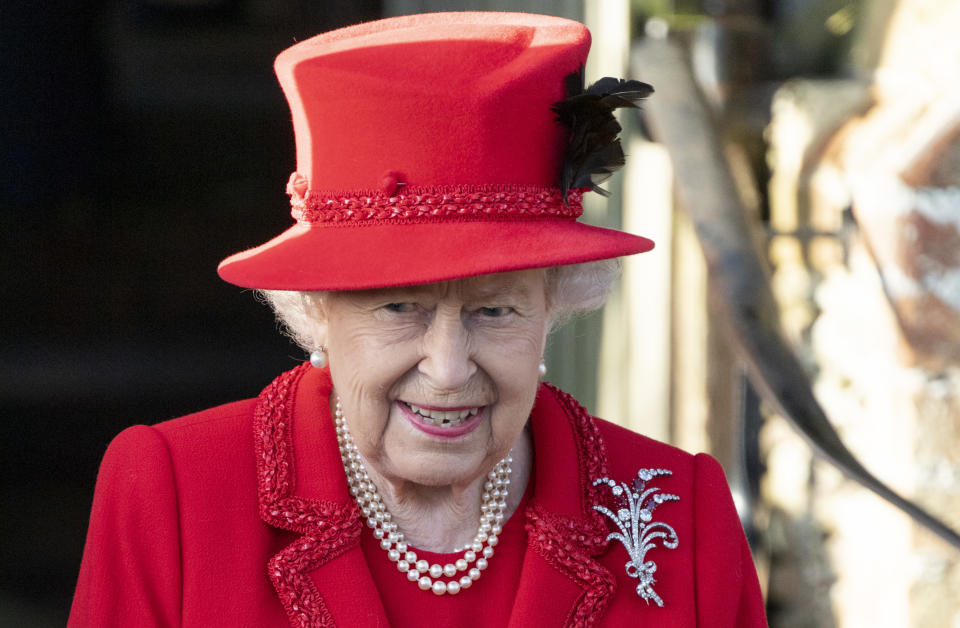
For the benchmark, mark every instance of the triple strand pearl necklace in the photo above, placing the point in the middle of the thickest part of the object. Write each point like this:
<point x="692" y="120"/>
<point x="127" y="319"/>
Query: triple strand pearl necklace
<point x="428" y="577"/>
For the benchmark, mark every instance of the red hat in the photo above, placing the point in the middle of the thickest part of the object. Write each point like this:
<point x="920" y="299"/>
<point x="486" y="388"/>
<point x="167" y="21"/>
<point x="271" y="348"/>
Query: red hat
<point x="427" y="150"/>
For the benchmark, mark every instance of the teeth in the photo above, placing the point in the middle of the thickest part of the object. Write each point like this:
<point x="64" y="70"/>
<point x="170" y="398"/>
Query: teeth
<point x="445" y="418"/>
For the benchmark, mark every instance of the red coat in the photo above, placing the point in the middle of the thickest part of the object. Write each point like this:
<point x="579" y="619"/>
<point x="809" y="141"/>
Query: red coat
<point x="240" y="516"/>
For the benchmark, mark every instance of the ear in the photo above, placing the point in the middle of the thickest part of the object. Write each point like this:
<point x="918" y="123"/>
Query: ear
<point x="315" y="307"/>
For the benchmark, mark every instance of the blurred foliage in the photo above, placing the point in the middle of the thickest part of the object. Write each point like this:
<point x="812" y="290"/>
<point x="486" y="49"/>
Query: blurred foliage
<point x="808" y="37"/>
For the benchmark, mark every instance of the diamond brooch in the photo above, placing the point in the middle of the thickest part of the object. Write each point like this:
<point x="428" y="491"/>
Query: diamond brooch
<point x="633" y="516"/>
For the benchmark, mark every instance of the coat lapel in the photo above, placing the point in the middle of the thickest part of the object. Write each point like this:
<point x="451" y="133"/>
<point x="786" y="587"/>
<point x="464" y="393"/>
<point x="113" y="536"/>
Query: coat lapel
<point x="321" y="577"/>
<point x="562" y="583"/>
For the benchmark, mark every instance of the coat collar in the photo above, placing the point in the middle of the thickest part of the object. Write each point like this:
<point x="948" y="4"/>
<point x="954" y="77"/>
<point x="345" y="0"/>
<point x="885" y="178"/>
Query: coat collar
<point x="302" y="489"/>
<point x="564" y="533"/>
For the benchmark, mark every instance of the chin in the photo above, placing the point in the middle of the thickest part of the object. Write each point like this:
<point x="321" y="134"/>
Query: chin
<point x="444" y="470"/>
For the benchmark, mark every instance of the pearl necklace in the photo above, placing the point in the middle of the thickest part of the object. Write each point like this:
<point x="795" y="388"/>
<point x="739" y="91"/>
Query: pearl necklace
<point x="427" y="576"/>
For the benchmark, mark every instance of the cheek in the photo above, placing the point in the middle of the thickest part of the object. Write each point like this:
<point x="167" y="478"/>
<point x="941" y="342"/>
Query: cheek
<point x="515" y="350"/>
<point x="364" y="360"/>
<point x="364" y="373"/>
<point x="513" y="369"/>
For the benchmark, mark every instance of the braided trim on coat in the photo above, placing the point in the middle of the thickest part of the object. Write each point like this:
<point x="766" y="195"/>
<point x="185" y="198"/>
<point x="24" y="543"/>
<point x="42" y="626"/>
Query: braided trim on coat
<point x="569" y="545"/>
<point x="592" y="460"/>
<point x="561" y="542"/>
<point x="328" y="528"/>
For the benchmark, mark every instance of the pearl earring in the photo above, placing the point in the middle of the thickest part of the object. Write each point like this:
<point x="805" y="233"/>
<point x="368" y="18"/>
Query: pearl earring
<point x="318" y="357"/>
<point x="542" y="369"/>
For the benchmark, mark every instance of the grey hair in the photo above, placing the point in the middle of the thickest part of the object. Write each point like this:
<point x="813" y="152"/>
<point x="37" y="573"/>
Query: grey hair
<point x="572" y="291"/>
<point x="579" y="289"/>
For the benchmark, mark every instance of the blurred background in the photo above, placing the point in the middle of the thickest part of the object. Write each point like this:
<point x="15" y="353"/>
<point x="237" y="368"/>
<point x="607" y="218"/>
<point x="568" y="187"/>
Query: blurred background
<point x="799" y="169"/>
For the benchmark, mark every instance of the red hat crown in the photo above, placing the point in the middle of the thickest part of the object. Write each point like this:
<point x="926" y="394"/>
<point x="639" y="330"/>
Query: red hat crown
<point x="441" y="99"/>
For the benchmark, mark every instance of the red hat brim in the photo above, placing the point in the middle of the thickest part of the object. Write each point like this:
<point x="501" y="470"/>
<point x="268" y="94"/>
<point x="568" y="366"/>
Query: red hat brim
<point x="315" y="257"/>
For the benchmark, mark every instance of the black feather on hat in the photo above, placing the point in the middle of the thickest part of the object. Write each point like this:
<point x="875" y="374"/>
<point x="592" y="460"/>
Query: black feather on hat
<point x="593" y="150"/>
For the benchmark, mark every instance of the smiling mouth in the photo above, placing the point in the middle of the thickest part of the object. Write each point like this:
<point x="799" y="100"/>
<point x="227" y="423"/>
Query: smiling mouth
<point x="443" y="418"/>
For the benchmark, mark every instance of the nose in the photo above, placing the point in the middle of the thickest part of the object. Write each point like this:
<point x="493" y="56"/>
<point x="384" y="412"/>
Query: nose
<point x="447" y="361"/>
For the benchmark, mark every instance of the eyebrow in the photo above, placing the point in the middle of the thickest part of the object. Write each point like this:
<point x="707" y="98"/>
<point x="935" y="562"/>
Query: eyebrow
<point x="391" y="292"/>
<point x="485" y="290"/>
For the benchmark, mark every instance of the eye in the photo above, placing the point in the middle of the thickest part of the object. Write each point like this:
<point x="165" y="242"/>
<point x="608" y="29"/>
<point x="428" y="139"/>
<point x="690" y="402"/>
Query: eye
<point x="495" y="312"/>
<point x="399" y="308"/>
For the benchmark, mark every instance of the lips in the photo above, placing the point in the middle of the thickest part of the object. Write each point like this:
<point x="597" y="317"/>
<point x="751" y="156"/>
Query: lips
<point x="443" y="422"/>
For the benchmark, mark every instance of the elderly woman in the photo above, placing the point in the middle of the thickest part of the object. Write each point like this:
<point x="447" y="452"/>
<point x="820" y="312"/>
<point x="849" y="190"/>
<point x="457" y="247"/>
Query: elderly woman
<point x="416" y="471"/>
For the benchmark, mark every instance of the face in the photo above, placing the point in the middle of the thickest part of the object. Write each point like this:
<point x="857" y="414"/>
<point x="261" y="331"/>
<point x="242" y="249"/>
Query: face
<point x="437" y="381"/>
